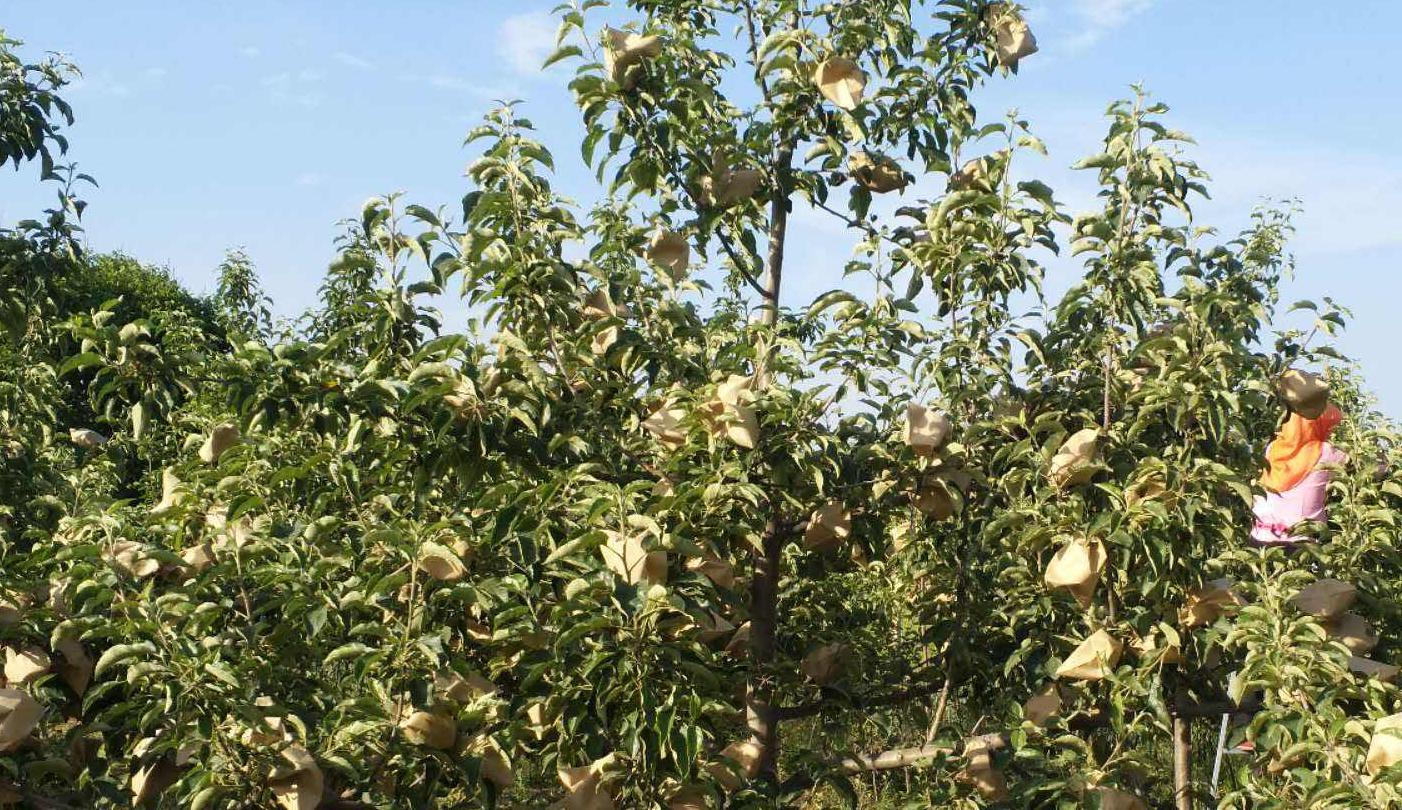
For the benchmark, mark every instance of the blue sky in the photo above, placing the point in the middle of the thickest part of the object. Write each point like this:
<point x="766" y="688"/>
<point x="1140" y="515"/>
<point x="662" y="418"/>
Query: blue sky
<point x="261" y="124"/>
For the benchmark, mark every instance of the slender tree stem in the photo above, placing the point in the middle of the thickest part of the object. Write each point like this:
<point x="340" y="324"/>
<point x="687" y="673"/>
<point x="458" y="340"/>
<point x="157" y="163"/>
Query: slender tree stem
<point x="1182" y="763"/>
<point x="941" y="705"/>
<point x="778" y="232"/>
<point x="760" y="715"/>
<point x="764" y="589"/>
<point x="821" y="706"/>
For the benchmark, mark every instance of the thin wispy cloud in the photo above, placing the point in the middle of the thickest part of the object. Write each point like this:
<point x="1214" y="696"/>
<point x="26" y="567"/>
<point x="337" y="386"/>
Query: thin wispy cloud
<point x="308" y="179"/>
<point x="103" y="84"/>
<point x="455" y="83"/>
<point x="251" y="51"/>
<point x="1097" y="18"/>
<point x="1348" y="196"/>
<point x="295" y="88"/>
<point x="444" y="81"/>
<point x="526" y="40"/>
<point x="1110" y="14"/>
<point x="351" y="60"/>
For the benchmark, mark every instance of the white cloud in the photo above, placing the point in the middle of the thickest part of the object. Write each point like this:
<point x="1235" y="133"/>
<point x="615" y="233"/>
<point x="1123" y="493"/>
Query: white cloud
<point x="251" y="51"/>
<point x="285" y="79"/>
<point x="291" y="88"/>
<point x="1348" y="196"/>
<point x="352" y="60"/>
<point x="1110" y="13"/>
<point x="155" y="73"/>
<point x="463" y="84"/>
<point x="526" y="40"/>
<point x="308" y="179"/>
<point x="103" y="83"/>
<point x="444" y="81"/>
<point x="1096" y="18"/>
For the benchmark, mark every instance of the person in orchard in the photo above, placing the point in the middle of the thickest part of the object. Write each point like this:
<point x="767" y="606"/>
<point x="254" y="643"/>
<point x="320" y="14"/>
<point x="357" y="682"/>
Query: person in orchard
<point x="1300" y="463"/>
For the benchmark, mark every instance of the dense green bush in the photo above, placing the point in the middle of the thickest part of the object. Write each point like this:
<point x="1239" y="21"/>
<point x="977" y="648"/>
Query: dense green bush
<point x="639" y="540"/>
<point x="138" y="289"/>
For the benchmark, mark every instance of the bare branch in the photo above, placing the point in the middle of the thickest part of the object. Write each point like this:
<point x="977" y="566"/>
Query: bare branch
<point x="857" y="703"/>
<point x="906" y="757"/>
<point x="1189" y="709"/>
<point x="900" y="758"/>
<point x="739" y="265"/>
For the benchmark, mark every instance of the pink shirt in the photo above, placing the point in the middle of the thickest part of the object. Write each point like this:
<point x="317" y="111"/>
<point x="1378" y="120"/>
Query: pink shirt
<point x="1278" y="512"/>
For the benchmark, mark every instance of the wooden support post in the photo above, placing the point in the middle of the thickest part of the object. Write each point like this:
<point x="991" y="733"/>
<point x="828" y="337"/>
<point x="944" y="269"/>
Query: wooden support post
<point x="1182" y="763"/>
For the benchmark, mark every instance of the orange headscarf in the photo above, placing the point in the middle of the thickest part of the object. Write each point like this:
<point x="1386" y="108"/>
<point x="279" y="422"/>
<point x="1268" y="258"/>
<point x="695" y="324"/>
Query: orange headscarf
<point x="1297" y="448"/>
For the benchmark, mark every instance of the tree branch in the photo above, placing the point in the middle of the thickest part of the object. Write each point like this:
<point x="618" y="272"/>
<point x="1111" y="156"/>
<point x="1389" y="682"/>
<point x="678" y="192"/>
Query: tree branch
<point x="739" y="265"/>
<point x="34" y="800"/>
<point x="830" y="704"/>
<point x="668" y="159"/>
<point x="857" y="224"/>
<point x="905" y="757"/>
<point x="1189" y="709"/>
<point x="890" y="760"/>
<point x="900" y="758"/>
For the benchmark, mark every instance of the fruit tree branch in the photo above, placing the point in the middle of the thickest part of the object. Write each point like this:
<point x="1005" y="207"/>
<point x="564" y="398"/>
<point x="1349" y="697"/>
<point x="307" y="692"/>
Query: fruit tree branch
<point x="857" y="703"/>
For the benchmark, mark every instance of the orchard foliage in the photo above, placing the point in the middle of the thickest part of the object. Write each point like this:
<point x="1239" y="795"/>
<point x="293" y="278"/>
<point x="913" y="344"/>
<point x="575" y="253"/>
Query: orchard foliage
<point x="651" y="532"/>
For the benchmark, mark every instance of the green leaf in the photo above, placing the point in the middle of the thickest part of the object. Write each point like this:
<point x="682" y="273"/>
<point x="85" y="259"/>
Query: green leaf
<point x="561" y="53"/>
<point x="138" y="420"/>
<point x="1100" y="161"/>
<point x="79" y="361"/>
<point x="222" y="672"/>
<point x="352" y="650"/>
<point x="120" y="653"/>
<point x="205" y="798"/>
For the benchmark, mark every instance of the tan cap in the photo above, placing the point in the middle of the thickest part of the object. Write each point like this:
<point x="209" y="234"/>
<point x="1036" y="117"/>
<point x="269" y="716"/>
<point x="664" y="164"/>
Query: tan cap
<point x="1307" y="394"/>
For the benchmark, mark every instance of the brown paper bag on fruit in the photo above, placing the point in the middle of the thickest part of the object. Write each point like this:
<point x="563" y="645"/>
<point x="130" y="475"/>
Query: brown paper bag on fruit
<point x="299" y="783"/>
<point x="1325" y="598"/>
<point x="1353" y="631"/>
<point x="670" y="251"/>
<point x="826" y="664"/>
<point x="1074" y="463"/>
<point x="1042" y="707"/>
<point x="1207" y="603"/>
<point x="1095" y="658"/>
<point x="926" y="430"/>
<point x="841" y="81"/>
<point x="624" y="54"/>
<point x="828" y="527"/>
<point x="877" y="173"/>
<point x="1385" y="748"/>
<point x="1077" y="567"/>
<point x="1012" y="38"/>
<point x="625" y="555"/>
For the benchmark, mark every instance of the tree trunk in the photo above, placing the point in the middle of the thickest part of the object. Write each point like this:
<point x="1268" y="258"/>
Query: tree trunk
<point x="759" y="703"/>
<point x="774" y="266"/>
<point x="764" y="588"/>
<point x="1182" y="763"/>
